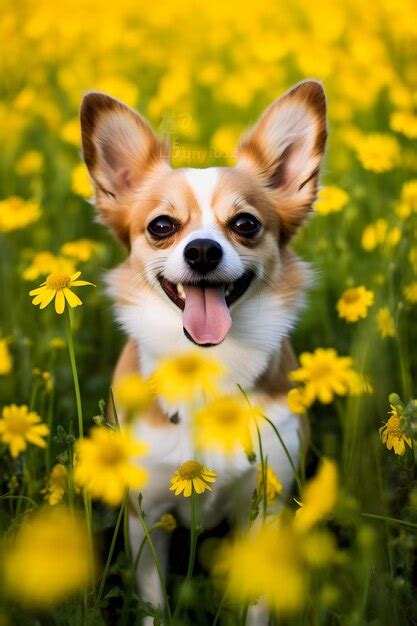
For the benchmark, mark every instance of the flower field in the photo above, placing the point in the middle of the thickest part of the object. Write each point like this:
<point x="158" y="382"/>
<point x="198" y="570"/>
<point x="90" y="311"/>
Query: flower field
<point x="341" y="549"/>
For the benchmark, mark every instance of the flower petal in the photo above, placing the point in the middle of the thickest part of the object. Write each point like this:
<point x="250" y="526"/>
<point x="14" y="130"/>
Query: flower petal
<point x="46" y="299"/>
<point x="72" y="299"/>
<point x="80" y="283"/>
<point x="75" y="276"/>
<point x="59" y="302"/>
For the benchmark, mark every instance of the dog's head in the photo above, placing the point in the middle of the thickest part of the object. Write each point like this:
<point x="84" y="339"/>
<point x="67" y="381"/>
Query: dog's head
<point x="204" y="237"/>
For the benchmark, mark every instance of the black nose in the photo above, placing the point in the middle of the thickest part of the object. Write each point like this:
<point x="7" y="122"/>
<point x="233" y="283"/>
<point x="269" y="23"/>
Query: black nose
<point x="203" y="255"/>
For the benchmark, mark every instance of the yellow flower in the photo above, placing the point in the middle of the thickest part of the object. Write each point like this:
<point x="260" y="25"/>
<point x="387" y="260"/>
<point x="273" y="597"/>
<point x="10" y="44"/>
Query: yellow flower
<point x="57" y="285"/>
<point x="319" y="548"/>
<point x="20" y="426"/>
<point x="264" y="563"/>
<point x="106" y="464"/>
<point x="71" y="132"/>
<point x="319" y="496"/>
<point x="410" y="293"/>
<point x="378" y="152"/>
<point x="385" y="321"/>
<point x="80" y="182"/>
<point x="330" y="200"/>
<point x="48" y="560"/>
<point x="404" y="122"/>
<point x="225" y="424"/>
<point x="273" y="484"/>
<point x="18" y="213"/>
<point x="44" y="263"/>
<point x="297" y="401"/>
<point x="187" y="375"/>
<point x="324" y="374"/>
<point x="167" y="522"/>
<point x="57" y="343"/>
<point x="6" y="362"/>
<point x="133" y="393"/>
<point x="30" y="163"/>
<point x="192" y="475"/>
<point x="81" y="250"/>
<point x="56" y="485"/>
<point x="391" y="434"/>
<point x="354" y="303"/>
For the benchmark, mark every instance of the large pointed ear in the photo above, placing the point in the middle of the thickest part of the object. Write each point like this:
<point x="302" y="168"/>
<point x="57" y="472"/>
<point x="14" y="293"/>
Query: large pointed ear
<point x="119" y="150"/>
<point x="284" y="150"/>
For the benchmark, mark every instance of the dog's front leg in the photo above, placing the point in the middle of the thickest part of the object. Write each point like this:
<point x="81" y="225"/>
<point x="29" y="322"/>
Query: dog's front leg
<point x="148" y="582"/>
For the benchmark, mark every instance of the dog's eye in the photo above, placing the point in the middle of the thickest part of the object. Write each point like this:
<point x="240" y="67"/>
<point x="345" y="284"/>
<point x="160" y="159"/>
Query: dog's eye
<point x="162" y="226"/>
<point x="245" y="225"/>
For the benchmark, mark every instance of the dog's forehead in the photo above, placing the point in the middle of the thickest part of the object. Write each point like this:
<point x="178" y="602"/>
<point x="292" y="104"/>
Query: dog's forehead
<point x="204" y="187"/>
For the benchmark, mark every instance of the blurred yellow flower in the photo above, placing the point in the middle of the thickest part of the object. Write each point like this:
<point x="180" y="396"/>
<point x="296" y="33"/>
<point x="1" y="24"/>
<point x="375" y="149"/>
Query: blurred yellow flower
<point x="81" y="249"/>
<point x="319" y="496"/>
<point x="404" y="122"/>
<point x="80" y="182"/>
<point x="297" y="401"/>
<point x="31" y="162"/>
<point x="225" y="424"/>
<point x="264" y="563"/>
<point x="319" y="548"/>
<point x="48" y="560"/>
<point x="57" y="285"/>
<point x="71" y="132"/>
<point x="392" y="435"/>
<point x="410" y="293"/>
<point x="273" y="484"/>
<point x="385" y="322"/>
<point x="44" y="263"/>
<point x="167" y="522"/>
<point x="330" y="200"/>
<point x="378" y="152"/>
<point x="324" y="374"/>
<point x="408" y="200"/>
<point x="377" y="234"/>
<point x="57" y="484"/>
<point x="106" y="464"/>
<point x="133" y="393"/>
<point x="412" y="257"/>
<point x="190" y="476"/>
<point x="225" y="140"/>
<point x="354" y="303"/>
<point x="19" y="426"/>
<point x="119" y="88"/>
<point x="186" y="376"/>
<point x="6" y="362"/>
<point x="18" y="213"/>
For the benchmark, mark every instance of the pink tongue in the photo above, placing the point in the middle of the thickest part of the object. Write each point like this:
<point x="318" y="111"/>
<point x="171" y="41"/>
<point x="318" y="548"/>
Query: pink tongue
<point x="206" y="316"/>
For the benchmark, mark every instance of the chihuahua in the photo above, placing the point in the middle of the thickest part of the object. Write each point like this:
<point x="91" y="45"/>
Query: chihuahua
<point x="208" y="267"/>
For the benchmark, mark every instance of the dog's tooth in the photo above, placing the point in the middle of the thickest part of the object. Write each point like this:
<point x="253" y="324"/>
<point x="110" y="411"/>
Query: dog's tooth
<point x="180" y="290"/>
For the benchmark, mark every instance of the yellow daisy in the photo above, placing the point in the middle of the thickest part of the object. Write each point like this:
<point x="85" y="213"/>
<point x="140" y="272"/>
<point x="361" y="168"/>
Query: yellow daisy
<point x="187" y="375"/>
<point x="57" y="484"/>
<point x="133" y="393"/>
<point x="20" y="426"/>
<point x="410" y="292"/>
<point x="106" y="464"/>
<point x="385" y="322"/>
<point x="49" y="558"/>
<point x="225" y="424"/>
<point x="392" y="435"/>
<point x="324" y="373"/>
<point x="6" y="362"/>
<point x="57" y="286"/>
<point x="192" y="475"/>
<point x="354" y="303"/>
<point x="297" y="401"/>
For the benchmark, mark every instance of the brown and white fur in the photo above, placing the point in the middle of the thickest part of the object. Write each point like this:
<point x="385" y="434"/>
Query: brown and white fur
<point x="275" y="180"/>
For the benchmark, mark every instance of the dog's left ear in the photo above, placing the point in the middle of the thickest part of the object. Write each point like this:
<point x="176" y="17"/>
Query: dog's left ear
<point x="285" y="149"/>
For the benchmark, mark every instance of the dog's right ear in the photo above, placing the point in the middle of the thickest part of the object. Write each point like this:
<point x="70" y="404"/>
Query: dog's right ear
<point x="119" y="149"/>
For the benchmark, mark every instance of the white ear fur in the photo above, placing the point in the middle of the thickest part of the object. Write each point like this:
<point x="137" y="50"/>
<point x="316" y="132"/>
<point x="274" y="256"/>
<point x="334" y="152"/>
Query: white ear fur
<point x="285" y="149"/>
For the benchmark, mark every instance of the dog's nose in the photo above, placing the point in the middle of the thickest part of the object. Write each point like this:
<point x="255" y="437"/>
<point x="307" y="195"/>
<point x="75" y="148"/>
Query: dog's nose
<point x="203" y="255"/>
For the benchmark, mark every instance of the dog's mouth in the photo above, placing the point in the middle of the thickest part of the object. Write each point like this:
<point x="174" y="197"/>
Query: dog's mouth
<point x="206" y="306"/>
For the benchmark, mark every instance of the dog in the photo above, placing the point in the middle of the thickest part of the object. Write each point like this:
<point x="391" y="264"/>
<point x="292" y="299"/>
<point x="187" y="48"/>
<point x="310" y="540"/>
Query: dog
<point x="208" y="267"/>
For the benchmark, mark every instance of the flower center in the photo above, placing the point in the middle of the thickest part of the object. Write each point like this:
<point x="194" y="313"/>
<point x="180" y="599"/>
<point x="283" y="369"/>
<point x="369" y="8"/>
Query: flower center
<point x="351" y="296"/>
<point x="58" y="281"/>
<point x="111" y="455"/>
<point x="18" y="425"/>
<point x="393" y="426"/>
<point x="188" y="364"/>
<point x="190" y="470"/>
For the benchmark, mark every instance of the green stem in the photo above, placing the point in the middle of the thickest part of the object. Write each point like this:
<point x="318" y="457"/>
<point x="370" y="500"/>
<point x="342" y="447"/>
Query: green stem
<point x="157" y="565"/>
<point x="288" y="455"/>
<point x="111" y="551"/>
<point x="70" y="339"/>
<point x="49" y="422"/>
<point x="391" y="520"/>
<point x="264" y="474"/>
<point x="193" y="546"/>
<point x="219" y="609"/>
